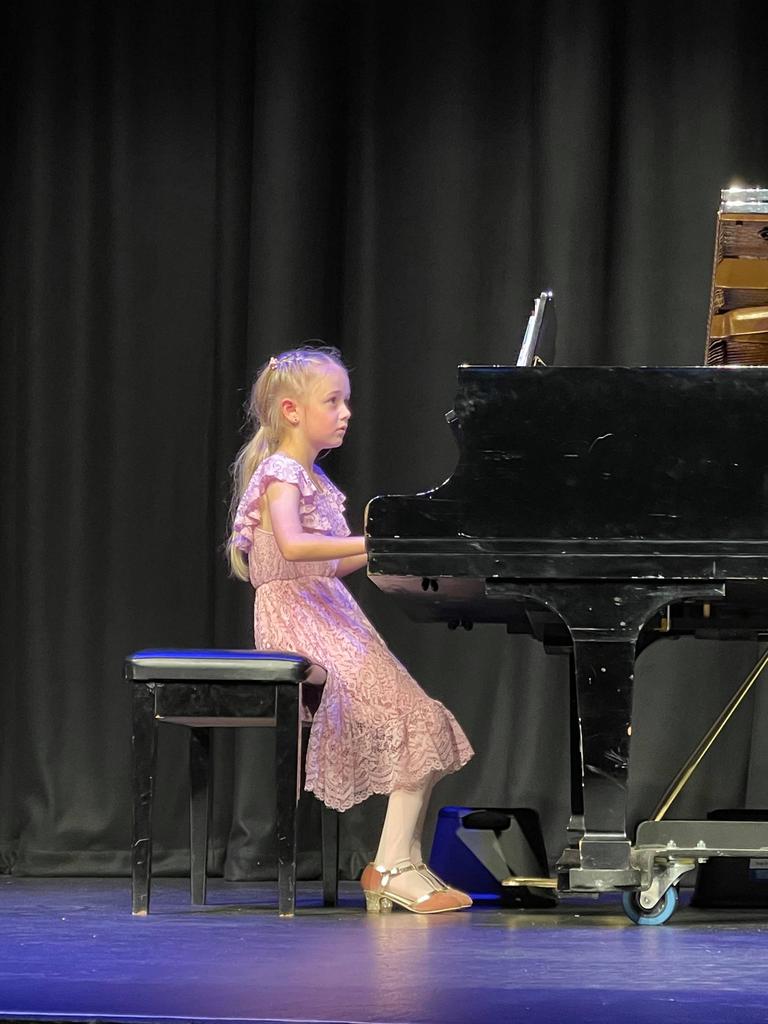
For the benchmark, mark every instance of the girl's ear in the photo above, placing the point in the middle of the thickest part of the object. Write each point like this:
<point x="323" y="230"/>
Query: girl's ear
<point x="290" y="410"/>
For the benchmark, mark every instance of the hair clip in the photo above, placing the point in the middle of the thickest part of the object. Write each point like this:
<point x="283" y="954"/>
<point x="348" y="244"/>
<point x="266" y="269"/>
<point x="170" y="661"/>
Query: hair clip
<point x="273" y="363"/>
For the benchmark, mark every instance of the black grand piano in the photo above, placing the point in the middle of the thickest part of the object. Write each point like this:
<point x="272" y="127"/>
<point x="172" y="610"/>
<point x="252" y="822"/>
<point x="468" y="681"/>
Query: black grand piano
<point x="598" y="509"/>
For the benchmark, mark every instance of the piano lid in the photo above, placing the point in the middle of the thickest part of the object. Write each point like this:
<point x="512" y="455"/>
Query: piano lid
<point x="737" y="330"/>
<point x="667" y="458"/>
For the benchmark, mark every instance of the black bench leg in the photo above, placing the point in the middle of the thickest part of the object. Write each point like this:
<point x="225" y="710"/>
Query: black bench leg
<point x="144" y="750"/>
<point x="330" y="855"/>
<point x="199" y="810"/>
<point x="288" y="771"/>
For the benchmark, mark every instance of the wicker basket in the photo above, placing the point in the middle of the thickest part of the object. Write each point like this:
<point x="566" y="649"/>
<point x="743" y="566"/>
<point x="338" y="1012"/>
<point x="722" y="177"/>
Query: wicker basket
<point x="746" y="350"/>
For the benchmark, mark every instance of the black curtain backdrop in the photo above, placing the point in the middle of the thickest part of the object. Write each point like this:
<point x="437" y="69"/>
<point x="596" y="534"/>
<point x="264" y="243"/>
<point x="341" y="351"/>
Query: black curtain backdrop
<point x="187" y="188"/>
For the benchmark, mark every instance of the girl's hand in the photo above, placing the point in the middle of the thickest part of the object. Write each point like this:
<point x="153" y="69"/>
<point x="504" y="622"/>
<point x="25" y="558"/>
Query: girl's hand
<point x="351" y="564"/>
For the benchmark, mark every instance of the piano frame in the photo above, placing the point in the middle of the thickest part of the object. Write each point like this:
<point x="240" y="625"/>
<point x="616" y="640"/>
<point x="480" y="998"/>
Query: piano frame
<point x="489" y="545"/>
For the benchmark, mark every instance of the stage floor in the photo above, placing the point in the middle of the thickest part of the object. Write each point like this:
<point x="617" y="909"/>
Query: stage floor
<point x="70" y="950"/>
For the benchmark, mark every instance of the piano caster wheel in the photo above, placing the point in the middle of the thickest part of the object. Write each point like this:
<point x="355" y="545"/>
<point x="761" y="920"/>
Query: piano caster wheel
<point x="659" y="914"/>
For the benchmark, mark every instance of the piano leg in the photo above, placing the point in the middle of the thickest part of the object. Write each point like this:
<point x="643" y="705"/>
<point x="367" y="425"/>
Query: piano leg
<point x="576" y="822"/>
<point x="604" y="671"/>
<point x="604" y="619"/>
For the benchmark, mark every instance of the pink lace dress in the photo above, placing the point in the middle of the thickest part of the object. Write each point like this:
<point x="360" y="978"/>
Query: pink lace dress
<point x="375" y="729"/>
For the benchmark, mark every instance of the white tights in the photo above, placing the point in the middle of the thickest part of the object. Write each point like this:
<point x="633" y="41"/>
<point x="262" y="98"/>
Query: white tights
<point x="401" y="835"/>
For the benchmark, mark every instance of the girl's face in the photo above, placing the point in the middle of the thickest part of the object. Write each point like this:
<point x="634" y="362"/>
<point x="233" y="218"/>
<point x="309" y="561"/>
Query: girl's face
<point x="324" y="413"/>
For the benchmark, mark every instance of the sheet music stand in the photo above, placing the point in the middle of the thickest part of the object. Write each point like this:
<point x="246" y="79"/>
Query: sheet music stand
<point x="538" y="348"/>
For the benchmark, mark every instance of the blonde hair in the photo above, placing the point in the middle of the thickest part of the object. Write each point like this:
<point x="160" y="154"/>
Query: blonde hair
<point x="291" y="374"/>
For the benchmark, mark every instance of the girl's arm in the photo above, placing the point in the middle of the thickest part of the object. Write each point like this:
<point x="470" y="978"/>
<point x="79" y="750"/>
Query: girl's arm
<point x="295" y="544"/>
<point x="350" y="564"/>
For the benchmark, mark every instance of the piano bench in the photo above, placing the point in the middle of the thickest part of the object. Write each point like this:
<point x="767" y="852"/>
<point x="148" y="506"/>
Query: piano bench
<point x="214" y="688"/>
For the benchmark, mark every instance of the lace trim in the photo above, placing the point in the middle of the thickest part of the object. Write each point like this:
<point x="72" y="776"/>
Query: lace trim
<point x="343" y="770"/>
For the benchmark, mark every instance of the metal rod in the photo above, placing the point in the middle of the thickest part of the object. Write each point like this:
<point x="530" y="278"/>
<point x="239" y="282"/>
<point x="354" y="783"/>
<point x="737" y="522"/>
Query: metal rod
<point x="690" y="766"/>
<point x="534" y="883"/>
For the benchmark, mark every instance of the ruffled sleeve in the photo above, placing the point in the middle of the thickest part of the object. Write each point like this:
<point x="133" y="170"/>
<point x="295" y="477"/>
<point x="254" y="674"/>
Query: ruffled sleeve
<point x="313" y="513"/>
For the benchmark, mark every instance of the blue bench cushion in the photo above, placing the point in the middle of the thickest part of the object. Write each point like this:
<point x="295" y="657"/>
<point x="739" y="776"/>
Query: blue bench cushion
<point x="221" y="666"/>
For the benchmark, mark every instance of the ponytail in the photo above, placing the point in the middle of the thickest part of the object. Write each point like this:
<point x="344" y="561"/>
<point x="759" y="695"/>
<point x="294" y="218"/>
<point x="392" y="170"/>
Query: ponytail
<point x="248" y="460"/>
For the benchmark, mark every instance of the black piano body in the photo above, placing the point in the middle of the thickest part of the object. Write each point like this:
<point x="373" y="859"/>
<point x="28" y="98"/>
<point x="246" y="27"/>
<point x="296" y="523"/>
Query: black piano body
<point x="597" y="508"/>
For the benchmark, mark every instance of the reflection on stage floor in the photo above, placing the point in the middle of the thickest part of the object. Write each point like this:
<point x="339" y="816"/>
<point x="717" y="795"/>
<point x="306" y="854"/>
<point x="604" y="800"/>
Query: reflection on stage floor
<point x="72" y="951"/>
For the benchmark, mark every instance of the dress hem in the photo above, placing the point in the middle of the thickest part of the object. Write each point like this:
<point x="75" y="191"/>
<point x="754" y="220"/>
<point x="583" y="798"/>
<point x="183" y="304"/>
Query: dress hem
<point x="387" y="790"/>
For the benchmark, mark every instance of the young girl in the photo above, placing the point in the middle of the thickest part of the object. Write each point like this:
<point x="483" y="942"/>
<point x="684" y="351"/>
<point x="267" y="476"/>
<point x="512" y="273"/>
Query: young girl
<point x="375" y="730"/>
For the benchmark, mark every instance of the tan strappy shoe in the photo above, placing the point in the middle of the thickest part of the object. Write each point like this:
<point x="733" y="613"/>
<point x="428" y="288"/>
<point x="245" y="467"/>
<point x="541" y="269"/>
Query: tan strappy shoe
<point x="379" y="898"/>
<point x="439" y="883"/>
